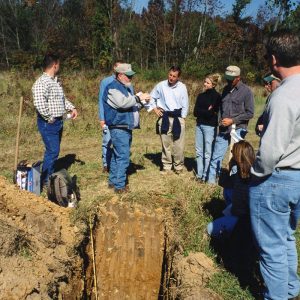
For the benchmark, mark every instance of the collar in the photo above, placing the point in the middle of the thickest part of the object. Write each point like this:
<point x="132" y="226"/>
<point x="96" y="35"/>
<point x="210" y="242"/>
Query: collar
<point x="53" y="78"/>
<point x="236" y="87"/>
<point x="172" y="86"/>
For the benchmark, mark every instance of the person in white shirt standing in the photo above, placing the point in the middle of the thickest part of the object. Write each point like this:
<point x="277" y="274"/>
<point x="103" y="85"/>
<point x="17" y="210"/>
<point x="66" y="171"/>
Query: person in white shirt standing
<point x="170" y="102"/>
<point x="51" y="104"/>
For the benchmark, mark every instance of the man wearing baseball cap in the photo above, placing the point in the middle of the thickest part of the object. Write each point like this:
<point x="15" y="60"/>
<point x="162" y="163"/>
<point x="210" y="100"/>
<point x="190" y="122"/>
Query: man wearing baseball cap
<point x="237" y="108"/>
<point x="121" y="116"/>
<point x="271" y="83"/>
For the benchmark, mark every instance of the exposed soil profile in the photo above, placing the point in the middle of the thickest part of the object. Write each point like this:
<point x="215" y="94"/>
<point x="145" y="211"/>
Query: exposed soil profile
<point x="44" y="256"/>
<point x="129" y="251"/>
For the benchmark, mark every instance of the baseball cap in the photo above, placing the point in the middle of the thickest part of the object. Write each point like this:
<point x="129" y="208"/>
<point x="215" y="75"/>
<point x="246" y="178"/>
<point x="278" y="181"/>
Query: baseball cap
<point x="124" y="69"/>
<point x="270" y="77"/>
<point x="232" y="72"/>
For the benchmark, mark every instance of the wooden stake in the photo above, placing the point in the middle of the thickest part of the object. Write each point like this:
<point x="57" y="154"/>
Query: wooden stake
<point x="18" y="140"/>
<point x="94" y="262"/>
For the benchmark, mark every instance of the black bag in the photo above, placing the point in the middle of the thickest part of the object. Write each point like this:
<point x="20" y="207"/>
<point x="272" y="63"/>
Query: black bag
<point x="61" y="189"/>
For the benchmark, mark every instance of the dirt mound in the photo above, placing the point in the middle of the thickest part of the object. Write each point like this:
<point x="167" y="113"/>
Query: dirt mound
<point x="191" y="275"/>
<point x="38" y="248"/>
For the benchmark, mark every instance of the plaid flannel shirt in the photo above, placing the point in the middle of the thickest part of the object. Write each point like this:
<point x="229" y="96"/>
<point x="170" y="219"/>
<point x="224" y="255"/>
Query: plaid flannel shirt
<point x="49" y="98"/>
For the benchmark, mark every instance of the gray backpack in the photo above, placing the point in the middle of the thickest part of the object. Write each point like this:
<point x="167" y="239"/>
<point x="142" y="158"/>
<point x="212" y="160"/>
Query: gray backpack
<point x="61" y="189"/>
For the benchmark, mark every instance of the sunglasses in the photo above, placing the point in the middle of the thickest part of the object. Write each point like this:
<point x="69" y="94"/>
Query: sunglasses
<point x="129" y="77"/>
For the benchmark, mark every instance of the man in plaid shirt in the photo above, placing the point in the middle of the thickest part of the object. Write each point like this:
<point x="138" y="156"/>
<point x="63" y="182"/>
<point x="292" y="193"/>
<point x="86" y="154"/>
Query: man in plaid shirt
<point x="51" y="104"/>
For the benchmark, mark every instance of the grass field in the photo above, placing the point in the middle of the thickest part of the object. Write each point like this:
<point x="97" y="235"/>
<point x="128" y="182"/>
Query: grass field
<point x="192" y="204"/>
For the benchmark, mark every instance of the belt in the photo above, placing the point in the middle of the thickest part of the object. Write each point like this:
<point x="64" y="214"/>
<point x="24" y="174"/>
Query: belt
<point x="56" y="118"/>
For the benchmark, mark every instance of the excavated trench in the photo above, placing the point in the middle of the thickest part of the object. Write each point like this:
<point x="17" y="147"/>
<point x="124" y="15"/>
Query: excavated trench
<point x="127" y="256"/>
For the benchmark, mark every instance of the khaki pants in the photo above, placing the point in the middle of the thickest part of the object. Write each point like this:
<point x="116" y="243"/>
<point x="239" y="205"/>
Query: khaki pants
<point x="171" y="147"/>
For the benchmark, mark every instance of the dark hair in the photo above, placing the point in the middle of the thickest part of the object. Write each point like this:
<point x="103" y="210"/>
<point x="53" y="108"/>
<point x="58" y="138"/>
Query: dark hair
<point x="244" y="156"/>
<point x="175" y="69"/>
<point x="49" y="60"/>
<point x="285" y="46"/>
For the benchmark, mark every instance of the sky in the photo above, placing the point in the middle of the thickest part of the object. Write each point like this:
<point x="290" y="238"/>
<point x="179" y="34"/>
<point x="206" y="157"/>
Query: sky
<point x="250" y="11"/>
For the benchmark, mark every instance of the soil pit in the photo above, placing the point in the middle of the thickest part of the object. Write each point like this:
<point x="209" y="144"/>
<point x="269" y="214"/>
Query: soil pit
<point x="44" y="256"/>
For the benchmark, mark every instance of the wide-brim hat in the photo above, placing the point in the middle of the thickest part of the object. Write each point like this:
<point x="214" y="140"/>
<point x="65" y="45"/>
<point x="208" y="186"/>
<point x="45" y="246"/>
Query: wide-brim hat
<point x="124" y="69"/>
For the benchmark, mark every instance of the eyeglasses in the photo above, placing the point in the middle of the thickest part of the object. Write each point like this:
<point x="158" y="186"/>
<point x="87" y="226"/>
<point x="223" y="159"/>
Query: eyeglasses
<point x="129" y="77"/>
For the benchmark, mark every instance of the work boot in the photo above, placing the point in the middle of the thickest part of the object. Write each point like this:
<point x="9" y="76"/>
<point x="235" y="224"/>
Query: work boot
<point x="123" y="190"/>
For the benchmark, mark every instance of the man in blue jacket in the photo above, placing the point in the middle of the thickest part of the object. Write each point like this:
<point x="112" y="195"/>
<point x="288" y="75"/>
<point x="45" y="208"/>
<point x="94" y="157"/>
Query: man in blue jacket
<point x="121" y="116"/>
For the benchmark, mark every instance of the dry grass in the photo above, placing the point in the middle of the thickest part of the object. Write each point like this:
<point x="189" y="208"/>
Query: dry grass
<point x="187" y="199"/>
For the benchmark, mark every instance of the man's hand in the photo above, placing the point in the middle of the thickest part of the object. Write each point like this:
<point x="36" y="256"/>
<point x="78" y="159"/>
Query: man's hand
<point x="74" y="114"/>
<point x="226" y="122"/>
<point x="102" y="123"/>
<point x="145" y="97"/>
<point x="159" y="111"/>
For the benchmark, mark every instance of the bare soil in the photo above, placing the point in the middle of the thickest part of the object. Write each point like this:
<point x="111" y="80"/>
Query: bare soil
<point x="38" y="248"/>
<point x="44" y="256"/>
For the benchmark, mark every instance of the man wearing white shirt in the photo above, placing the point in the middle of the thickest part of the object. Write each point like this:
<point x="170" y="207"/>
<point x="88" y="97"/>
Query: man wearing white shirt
<point x="170" y="102"/>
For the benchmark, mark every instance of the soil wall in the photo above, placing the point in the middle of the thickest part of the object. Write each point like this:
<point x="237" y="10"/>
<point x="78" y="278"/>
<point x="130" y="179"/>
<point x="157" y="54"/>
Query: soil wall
<point x="129" y="252"/>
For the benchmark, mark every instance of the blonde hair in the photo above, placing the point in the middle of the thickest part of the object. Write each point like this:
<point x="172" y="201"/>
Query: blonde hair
<point x="215" y="79"/>
<point x="244" y="156"/>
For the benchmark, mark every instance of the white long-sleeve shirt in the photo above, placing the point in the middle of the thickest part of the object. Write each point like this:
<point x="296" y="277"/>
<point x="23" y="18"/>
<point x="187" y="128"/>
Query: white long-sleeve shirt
<point x="170" y="97"/>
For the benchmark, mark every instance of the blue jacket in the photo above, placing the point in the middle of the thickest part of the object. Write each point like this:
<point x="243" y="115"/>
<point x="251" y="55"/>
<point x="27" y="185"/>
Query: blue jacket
<point x="120" y="106"/>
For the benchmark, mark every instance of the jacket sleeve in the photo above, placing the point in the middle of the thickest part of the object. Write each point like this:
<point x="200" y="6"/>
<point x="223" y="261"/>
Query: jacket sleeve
<point x="118" y="100"/>
<point x="100" y="101"/>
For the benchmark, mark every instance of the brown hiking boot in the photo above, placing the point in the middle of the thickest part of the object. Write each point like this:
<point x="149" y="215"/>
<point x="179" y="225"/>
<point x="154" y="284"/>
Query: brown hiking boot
<point x="123" y="190"/>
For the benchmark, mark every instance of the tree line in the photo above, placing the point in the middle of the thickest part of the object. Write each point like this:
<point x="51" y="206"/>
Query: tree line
<point x="91" y="34"/>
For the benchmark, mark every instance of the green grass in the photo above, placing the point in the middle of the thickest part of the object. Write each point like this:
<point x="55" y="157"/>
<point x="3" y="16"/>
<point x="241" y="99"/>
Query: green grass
<point x="188" y="201"/>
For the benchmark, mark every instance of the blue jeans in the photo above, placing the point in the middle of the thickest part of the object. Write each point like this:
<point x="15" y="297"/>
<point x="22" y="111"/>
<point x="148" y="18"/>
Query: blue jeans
<point x="220" y="148"/>
<point x="106" y="147"/>
<point x="221" y="226"/>
<point x="51" y="135"/>
<point x="121" y="141"/>
<point x="275" y="210"/>
<point x="205" y="136"/>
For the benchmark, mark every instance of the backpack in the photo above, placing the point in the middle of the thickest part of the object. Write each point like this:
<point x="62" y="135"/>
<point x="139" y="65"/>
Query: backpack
<point x="61" y="189"/>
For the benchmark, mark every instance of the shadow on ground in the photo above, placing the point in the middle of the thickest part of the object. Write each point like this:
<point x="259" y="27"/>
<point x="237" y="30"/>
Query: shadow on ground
<point x="66" y="161"/>
<point x="155" y="158"/>
<point x="133" y="168"/>
<point x="236" y="252"/>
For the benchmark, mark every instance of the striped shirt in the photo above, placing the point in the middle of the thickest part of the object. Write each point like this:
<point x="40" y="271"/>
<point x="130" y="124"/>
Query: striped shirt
<point x="49" y="98"/>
